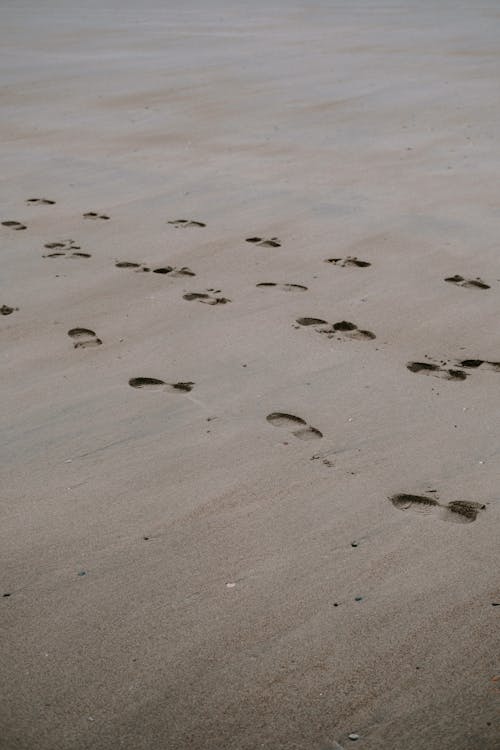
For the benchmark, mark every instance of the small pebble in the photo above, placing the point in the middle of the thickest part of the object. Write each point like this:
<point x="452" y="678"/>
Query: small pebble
<point x="82" y="573"/>
<point x="353" y="736"/>
<point x="230" y="585"/>
<point x="354" y="544"/>
<point x="358" y="598"/>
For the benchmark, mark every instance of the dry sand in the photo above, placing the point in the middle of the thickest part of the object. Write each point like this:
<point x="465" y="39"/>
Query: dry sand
<point x="178" y="571"/>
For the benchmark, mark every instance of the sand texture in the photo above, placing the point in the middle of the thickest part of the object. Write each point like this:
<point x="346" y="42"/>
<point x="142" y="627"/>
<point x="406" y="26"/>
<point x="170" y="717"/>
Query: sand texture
<point x="250" y="375"/>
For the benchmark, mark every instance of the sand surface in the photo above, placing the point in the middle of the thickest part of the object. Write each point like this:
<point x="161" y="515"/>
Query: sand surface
<point x="178" y="570"/>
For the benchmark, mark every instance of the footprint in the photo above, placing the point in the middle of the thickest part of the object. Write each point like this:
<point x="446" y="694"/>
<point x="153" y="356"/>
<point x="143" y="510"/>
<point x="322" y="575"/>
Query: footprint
<point x="349" y="261"/>
<point x="458" y="511"/>
<point x="437" y="370"/>
<point x="40" y="201"/>
<point x="127" y="264"/>
<point x="184" y="271"/>
<point x="341" y="330"/>
<point x="475" y="363"/>
<point x="468" y="283"/>
<point x="95" y="215"/>
<point x="182" y="223"/>
<point x="154" y="384"/>
<point x="272" y="242"/>
<point x="67" y="248"/>
<point x="207" y="299"/>
<point x="282" y="287"/>
<point x="6" y="310"/>
<point x="14" y="225"/>
<point x="298" y="427"/>
<point x="84" y="338"/>
<point x="311" y="322"/>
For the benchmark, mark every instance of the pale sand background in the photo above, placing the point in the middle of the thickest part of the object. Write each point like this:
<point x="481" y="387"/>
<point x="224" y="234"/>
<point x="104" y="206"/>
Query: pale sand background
<point x="344" y="128"/>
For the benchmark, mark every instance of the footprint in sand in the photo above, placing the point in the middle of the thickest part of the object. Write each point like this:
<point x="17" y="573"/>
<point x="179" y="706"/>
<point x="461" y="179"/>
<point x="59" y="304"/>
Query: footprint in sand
<point x="184" y="223"/>
<point x="208" y="297"/>
<point x="64" y="248"/>
<point x="349" y="261"/>
<point x="282" y="287"/>
<point x="154" y="384"/>
<point x="40" y="202"/>
<point x="467" y="283"/>
<point x="458" y="511"/>
<point x="272" y="242"/>
<point x="170" y="270"/>
<point x="95" y="215"/>
<point x="297" y="426"/>
<point x="438" y="370"/>
<point x="84" y="338"/>
<point x="14" y="225"/>
<point x="341" y="330"/>
<point x="6" y="310"/>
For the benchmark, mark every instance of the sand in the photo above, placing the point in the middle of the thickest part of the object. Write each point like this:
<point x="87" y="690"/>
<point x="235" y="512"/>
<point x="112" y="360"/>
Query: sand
<point x="214" y="561"/>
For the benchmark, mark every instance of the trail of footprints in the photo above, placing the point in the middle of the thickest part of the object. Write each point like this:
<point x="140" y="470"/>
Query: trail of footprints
<point x="456" y="511"/>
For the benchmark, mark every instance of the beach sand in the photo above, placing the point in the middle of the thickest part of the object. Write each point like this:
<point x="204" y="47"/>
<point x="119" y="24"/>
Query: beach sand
<point x="239" y="556"/>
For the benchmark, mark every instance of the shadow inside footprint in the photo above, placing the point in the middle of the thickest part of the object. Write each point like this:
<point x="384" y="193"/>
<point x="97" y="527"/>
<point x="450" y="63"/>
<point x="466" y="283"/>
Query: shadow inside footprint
<point x="127" y="264"/>
<point x="298" y="426"/>
<point x="84" y="338"/>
